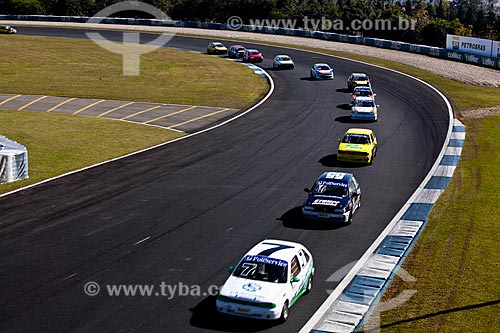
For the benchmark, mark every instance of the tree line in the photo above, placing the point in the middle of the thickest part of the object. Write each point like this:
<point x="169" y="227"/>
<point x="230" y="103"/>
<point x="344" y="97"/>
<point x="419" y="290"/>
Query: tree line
<point x="433" y="19"/>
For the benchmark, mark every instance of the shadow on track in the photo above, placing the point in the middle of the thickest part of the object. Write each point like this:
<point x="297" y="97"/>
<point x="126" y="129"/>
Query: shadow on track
<point x="331" y="161"/>
<point x="343" y="90"/>
<point x="346" y="120"/>
<point x="345" y="106"/>
<point x="293" y="219"/>
<point x="205" y="315"/>
<point x="308" y="78"/>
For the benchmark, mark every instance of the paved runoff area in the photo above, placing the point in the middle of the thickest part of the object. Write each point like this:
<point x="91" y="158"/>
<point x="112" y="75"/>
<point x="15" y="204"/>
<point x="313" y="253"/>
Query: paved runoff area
<point x="183" y="118"/>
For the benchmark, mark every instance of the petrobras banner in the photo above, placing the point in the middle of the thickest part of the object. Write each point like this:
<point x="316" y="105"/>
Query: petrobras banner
<point x="495" y="50"/>
<point x="471" y="45"/>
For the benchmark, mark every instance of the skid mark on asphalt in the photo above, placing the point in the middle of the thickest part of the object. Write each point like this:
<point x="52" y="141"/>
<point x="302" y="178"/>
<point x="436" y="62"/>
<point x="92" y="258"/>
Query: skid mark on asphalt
<point x="180" y="118"/>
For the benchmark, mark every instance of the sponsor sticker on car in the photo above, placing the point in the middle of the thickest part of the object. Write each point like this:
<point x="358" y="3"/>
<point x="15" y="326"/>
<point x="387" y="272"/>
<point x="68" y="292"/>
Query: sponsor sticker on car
<point x="325" y="202"/>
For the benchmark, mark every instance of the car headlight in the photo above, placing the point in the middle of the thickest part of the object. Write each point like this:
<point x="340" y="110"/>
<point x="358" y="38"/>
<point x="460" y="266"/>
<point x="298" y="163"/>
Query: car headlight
<point x="372" y="110"/>
<point x="308" y="208"/>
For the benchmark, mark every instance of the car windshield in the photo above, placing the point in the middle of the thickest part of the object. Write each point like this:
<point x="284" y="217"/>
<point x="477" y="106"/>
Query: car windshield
<point x="262" y="268"/>
<point x="285" y="58"/>
<point x="323" y="68"/>
<point x="365" y="103"/>
<point x="360" y="78"/>
<point x="254" y="52"/>
<point x="330" y="188"/>
<point x="362" y="92"/>
<point x="218" y="45"/>
<point x="359" y="139"/>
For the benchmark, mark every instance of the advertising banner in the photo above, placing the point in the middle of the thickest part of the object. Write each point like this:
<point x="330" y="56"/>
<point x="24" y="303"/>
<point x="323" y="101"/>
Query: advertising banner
<point x="470" y="45"/>
<point x="495" y="50"/>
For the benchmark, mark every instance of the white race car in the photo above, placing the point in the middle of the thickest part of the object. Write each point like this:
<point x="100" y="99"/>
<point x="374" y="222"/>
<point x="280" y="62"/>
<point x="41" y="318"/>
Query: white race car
<point x="364" y="108"/>
<point x="283" y="61"/>
<point x="267" y="281"/>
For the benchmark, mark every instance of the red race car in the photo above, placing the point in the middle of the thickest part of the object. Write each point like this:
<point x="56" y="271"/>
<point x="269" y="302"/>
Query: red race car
<point x="252" y="55"/>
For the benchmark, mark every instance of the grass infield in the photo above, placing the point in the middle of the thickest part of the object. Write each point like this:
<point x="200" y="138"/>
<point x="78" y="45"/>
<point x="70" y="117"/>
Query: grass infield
<point x="81" y="68"/>
<point x="61" y="143"/>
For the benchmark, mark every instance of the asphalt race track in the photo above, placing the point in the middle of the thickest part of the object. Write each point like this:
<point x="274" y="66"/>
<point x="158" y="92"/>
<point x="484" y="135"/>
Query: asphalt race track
<point x="206" y="200"/>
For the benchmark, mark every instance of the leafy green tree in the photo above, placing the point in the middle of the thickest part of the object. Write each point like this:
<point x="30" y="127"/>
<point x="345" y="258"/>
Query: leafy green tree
<point x="434" y="33"/>
<point x="21" y="7"/>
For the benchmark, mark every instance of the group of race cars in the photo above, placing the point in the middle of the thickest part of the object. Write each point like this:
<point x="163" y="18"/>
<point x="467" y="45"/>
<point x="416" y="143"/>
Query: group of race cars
<point x="272" y="275"/>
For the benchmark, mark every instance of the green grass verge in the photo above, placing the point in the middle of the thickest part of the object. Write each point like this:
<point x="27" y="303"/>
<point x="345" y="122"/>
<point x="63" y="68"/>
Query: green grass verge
<point x="86" y="70"/>
<point x="59" y="143"/>
<point x="456" y="260"/>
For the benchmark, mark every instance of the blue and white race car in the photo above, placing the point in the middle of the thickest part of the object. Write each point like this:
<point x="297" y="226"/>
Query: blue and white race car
<point x="335" y="196"/>
<point x="322" y="71"/>
<point x="267" y="281"/>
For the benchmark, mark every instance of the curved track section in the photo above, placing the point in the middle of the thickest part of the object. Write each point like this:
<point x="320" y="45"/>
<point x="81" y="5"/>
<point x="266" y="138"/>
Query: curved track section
<point x="183" y="212"/>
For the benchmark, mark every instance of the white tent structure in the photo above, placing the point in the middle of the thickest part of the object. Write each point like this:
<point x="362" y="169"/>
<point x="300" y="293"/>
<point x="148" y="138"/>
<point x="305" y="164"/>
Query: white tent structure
<point x="13" y="161"/>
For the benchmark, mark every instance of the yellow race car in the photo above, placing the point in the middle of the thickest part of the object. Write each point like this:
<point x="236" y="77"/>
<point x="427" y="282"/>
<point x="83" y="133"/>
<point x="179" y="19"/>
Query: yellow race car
<point x="216" y="48"/>
<point x="358" y="79"/>
<point x="358" y="145"/>
<point x="7" y="29"/>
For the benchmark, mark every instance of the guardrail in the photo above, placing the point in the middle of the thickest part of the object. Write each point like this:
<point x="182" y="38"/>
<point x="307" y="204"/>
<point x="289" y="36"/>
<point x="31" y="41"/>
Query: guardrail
<point x="335" y="37"/>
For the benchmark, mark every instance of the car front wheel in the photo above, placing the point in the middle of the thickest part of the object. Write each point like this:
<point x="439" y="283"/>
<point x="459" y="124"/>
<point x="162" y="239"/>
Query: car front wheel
<point x="284" y="312"/>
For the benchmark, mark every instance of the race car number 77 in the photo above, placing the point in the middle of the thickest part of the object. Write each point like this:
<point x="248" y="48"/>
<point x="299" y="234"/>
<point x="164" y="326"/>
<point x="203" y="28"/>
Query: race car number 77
<point x="248" y="269"/>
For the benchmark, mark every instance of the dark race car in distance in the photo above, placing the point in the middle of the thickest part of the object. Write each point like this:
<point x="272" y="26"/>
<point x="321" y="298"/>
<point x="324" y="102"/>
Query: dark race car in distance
<point x="236" y="51"/>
